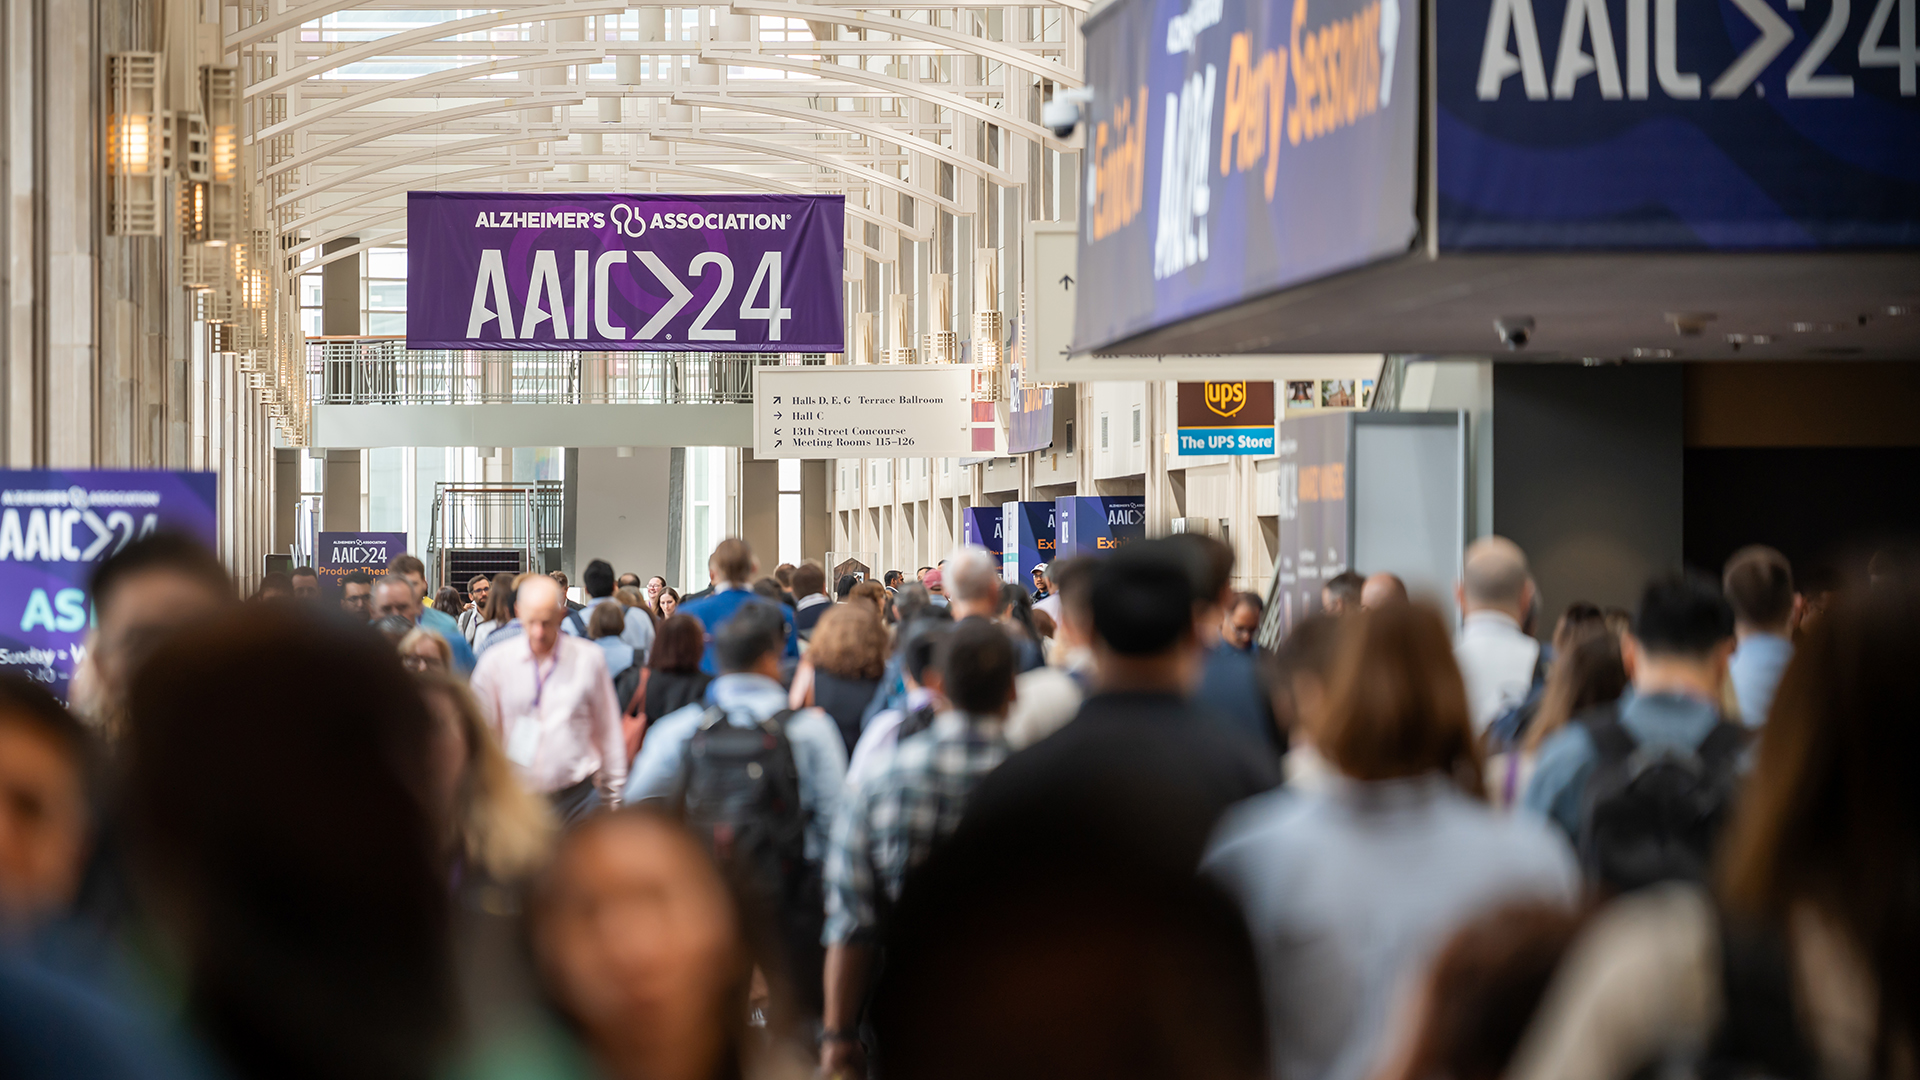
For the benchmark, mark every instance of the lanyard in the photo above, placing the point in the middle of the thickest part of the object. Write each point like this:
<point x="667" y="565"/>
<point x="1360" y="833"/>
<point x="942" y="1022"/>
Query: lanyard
<point x="540" y="680"/>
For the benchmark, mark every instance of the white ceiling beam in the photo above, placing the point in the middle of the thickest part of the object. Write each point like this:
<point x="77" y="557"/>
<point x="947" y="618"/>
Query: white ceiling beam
<point x="948" y="39"/>
<point x="394" y="44"/>
<point x="417" y="121"/>
<point x="418" y="83"/>
<point x="842" y="122"/>
<point x="945" y="99"/>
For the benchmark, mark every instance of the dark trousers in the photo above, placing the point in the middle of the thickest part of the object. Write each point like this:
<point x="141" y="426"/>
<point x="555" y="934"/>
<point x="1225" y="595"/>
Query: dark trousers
<point x="575" y="801"/>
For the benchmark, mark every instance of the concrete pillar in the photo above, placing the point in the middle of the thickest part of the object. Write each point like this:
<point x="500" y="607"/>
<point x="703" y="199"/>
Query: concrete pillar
<point x="286" y="497"/>
<point x="619" y="508"/>
<point x="340" y="291"/>
<point x="340" y="511"/>
<point x="760" y="508"/>
<point x="816" y="522"/>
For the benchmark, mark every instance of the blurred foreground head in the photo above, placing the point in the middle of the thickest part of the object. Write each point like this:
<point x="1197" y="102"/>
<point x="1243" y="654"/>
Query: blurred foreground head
<point x="141" y="594"/>
<point x="1831" y="816"/>
<point x="1020" y="964"/>
<point x="46" y="817"/>
<point x="646" y="949"/>
<point x="283" y="846"/>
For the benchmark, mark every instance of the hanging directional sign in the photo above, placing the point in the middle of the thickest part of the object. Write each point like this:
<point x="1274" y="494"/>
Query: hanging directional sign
<point x="868" y="411"/>
<point x="669" y="273"/>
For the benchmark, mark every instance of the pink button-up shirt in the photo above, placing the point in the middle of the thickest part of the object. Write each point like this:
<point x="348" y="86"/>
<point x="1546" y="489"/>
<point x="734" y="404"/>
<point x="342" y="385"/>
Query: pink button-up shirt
<point x="557" y="720"/>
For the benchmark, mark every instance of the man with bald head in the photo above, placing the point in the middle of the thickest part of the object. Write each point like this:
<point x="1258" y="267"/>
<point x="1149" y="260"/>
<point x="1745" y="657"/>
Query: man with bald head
<point x="552" y="705"/>
<point x="1497" y="658"/>
<point x="1382" y="590"/>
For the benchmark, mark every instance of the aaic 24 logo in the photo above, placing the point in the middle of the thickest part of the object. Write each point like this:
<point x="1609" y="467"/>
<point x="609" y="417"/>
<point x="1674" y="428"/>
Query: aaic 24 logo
<point x="1511" y="26"/>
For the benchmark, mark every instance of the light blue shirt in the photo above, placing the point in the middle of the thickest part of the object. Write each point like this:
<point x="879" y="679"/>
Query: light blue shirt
<point x="748" y="699"/>
<point x="1349" y="890"/>
<point x="1559" y="785"/>
<point x="1755" y="668"/>
<point x="637" y="635"/>
<point x="449" y="628"/>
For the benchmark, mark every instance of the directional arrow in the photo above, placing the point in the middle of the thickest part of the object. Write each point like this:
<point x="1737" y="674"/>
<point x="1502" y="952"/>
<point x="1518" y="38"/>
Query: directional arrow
<point x="776" y="444"/>
<point x="1066" y="281"/>
<point x="776" y="431"/>
<point x="776" y="416"/>
<point x="1775" y="35"/>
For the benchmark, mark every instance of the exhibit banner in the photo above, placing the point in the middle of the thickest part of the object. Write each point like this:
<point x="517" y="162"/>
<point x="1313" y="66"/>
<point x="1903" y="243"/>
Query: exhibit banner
<point x="1235" y="148"/>
<point x="981" y="526"/>
<point x="1029" y="540"/>
<point x="342" y="553"/>
<point x="56" y="528"/>
<point x="672" y="273"/>
<point x="1313" y="510"/>
<point x="869" y="411"/>
<point x="1225" y="417"/>
<point x="1097" y="524"/>
<point x="1628" y="125"/>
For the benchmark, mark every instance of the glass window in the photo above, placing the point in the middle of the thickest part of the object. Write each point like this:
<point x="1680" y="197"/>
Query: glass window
<point x="1136" y="426"/>
<point x="1103" y="431"/>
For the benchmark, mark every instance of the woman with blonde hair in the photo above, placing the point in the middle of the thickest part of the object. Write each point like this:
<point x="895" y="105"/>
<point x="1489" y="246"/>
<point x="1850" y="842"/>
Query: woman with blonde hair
<point x="497" y="830"/>
<point x="842" y="667"/>
<point x="423" y="650"/>
<point x="1350" y="888"/>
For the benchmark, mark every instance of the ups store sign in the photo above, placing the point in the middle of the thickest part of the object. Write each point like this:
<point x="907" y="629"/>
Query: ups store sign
<point x="1225" y="418"/>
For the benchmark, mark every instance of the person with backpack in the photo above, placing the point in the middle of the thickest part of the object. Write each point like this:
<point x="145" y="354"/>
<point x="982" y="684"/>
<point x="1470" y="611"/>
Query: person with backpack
<point x="1644" y="784"/>
<point x="892" y="823"/>
<point x="1803" y="959"/>
<point x="757" y="781"/>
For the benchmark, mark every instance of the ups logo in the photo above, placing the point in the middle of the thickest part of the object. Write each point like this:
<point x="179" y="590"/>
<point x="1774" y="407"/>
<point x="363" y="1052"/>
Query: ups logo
<point x="1226" y="398"/>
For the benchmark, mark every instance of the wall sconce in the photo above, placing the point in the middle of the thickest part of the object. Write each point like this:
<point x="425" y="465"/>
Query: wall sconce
<point x="220" y="131"/>
<point x="136" y="145"/>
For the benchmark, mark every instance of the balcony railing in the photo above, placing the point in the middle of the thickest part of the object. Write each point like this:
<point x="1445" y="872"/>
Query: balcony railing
<point x="383" y="371"/>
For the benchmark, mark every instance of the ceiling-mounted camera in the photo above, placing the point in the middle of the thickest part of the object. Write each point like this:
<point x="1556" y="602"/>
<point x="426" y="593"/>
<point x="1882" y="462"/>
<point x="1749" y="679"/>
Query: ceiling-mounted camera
<point x="1061" y="113"/>
<point x="1514" y="330"/>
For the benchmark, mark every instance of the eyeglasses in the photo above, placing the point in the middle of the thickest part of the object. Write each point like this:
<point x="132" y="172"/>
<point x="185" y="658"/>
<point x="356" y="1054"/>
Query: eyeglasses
<point x="416" y="662"/>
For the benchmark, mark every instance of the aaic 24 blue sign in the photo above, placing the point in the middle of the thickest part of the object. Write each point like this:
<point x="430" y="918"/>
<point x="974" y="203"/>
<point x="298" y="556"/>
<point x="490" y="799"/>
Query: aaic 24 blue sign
<point x="1655" y="124"/>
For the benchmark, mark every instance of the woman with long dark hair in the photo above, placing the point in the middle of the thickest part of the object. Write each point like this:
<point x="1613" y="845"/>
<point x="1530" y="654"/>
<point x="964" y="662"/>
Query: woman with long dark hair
<point x="674" y="678"/>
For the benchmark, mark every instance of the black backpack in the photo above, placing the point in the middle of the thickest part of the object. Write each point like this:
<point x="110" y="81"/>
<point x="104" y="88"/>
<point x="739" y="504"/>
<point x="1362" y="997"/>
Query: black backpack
<point x="1654" y="813"/>
<point x="916" y="721"/>
<point x="739" y="792"/>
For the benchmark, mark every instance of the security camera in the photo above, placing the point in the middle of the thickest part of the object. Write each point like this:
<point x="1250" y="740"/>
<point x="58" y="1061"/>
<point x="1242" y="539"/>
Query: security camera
<point x="1514" y="330"/>
<point x="1061" y="113"/>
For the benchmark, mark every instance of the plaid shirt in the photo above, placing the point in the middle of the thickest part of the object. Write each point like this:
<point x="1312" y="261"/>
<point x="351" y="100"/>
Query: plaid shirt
<point x="910" y="804"/>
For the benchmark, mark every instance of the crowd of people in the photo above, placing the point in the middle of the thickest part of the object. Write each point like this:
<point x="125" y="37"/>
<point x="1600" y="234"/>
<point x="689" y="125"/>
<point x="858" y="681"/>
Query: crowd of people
<point x="1108" y="821"/>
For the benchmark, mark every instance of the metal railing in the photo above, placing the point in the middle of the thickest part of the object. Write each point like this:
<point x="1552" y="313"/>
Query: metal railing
<point x="524" y="516"/>
<point x="383" y="371"/>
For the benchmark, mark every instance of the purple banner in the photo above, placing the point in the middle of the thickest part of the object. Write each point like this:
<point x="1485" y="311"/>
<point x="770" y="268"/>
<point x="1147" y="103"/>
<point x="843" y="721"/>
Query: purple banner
<point x="666" y="273"/>
<point x="55" y="529"/>
<point x="341" y="553"/>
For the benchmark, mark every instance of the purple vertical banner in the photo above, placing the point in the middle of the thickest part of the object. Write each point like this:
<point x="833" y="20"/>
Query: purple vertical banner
<point x="674" y="273"/>
<point x="981" y="526"/>
<point x="1097" y="524"/>
<point x="55" y="530"/>
<point x="341" y="553"/>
